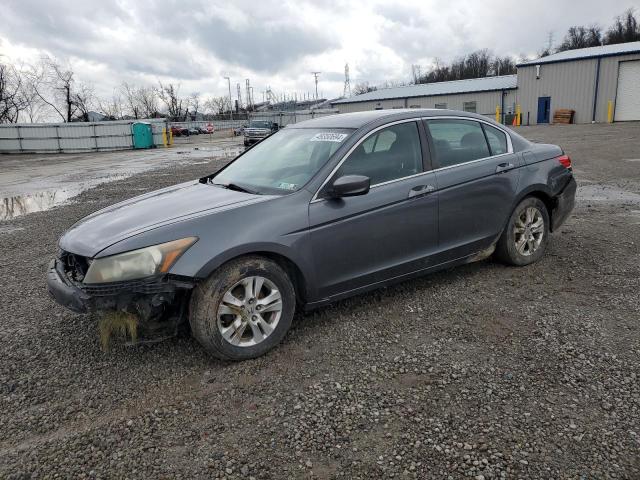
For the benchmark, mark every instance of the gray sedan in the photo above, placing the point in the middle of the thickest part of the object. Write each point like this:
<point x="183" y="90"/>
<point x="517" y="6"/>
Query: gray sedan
<point x="319" y="211"/>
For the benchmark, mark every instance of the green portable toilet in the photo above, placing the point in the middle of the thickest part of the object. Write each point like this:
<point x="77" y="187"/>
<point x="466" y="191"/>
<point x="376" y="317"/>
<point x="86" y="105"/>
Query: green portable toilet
<point x="142" y="135"/>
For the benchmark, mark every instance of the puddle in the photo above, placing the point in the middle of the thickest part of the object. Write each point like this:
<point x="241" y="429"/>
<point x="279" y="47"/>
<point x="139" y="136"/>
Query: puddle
<point x="606" y="194"/>
<point x="47" y="186"/>
<point x="16" y="206"/>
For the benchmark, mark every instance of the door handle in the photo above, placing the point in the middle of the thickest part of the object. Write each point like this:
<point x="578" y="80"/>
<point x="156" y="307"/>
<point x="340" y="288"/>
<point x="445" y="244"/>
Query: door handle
<point x="504" y="167"/>
<point x="421" y="190"/>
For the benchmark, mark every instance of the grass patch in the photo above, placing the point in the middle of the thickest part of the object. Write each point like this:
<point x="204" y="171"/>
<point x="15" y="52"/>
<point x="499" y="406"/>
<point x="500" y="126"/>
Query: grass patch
<point x="117" y="324"/>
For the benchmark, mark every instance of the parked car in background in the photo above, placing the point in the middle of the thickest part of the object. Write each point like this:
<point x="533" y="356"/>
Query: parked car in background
<point x="194" y="131"/>
<point x="237" y="131"/>
<point x="258" y="130"/>
<point x="176" y="131"/>
<point x="203" y="130"/>
<point x="320" y="211"/>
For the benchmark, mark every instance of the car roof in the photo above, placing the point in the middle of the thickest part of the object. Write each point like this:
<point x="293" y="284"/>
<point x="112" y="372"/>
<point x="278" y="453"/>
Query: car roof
<point x="359" y="119"/>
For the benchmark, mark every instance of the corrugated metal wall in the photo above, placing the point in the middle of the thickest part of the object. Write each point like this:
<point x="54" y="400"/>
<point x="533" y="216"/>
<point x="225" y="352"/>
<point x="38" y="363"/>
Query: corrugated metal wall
<point x="570" y="85"/>
<point x="73" y="137"/>
<point x="290" y="117"/>
<point x="486" y="102"/>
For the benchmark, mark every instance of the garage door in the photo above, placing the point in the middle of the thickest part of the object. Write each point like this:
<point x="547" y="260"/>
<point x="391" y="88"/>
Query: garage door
<point x="628" y="99"/>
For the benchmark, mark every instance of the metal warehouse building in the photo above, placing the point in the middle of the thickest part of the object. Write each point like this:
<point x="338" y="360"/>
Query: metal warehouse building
<point x="479" y="95"/>
<point x="601" y="84"/>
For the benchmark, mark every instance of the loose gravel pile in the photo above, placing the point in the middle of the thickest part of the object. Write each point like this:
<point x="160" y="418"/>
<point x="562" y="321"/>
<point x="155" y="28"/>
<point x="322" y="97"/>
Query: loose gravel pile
<point x="483" y="371"/>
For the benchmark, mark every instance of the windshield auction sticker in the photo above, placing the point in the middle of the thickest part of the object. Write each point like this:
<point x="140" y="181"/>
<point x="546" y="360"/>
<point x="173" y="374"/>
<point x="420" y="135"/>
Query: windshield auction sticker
<point x="329" y="137"/>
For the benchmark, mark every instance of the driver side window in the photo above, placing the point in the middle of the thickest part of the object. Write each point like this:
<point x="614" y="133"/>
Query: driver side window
<point x="388" y="154"/>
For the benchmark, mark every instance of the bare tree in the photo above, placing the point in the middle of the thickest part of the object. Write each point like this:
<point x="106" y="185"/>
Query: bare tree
<point x="170" y="95"/>
<point x="82" y="100"/>
<point x="503" y="66"/>
<point x="54" y="85"/>
<point x="131" y="99"/>
<point x="112" y="107"/>
<point x="217" y="105"/>
<point x="13" y="97"/>
<point x="363" y="87"/>
<point x="148" y="100"/>
<point x="142" y="102"/>
<point x="194" y="104"/>
<point x="625" y="28"/>
<point x="581" y="37"/>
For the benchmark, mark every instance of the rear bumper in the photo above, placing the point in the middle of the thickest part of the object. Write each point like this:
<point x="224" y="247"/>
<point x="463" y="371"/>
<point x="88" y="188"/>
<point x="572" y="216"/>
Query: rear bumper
<point x="565" y="201"/>
<point x="144" y="294"/>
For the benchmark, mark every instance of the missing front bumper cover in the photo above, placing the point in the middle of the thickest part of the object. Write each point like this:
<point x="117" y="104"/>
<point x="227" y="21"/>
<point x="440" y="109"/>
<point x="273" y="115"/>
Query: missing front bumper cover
<point x="144" y="296"/>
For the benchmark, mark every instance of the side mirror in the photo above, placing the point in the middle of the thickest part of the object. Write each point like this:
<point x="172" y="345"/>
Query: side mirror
<point x="350" y="186"/>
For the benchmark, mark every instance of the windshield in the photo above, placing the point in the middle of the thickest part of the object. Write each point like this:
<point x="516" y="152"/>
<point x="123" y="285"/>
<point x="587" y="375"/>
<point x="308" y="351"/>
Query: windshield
<point x="283" y="162"/>
<point x="259" y="125"/>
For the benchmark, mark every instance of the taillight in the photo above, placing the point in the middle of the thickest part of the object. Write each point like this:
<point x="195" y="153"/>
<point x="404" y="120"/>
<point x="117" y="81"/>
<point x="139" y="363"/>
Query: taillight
<point x="565" y="161"/>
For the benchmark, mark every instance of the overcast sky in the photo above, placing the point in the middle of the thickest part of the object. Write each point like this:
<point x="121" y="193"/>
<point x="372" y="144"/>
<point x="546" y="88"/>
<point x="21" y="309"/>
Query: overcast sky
<point x="196" y="43"/>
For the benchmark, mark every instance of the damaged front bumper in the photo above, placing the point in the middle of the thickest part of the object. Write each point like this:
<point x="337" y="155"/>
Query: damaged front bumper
<point x="146" y="297"/>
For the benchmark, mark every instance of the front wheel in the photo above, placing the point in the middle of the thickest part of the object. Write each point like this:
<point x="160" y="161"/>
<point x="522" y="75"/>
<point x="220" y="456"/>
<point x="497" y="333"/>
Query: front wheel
<point x="244" y="309"/>
<point x="525" y="238"/>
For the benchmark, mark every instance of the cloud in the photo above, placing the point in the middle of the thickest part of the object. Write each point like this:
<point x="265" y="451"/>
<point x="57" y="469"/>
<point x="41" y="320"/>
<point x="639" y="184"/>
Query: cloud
<point x="277" y="43"/>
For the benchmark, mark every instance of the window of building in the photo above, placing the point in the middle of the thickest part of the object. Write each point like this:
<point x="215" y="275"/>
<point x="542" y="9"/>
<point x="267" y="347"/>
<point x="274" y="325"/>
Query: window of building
<point x="457" y="141"/>
<point x="469" y="107"/>
<point x="389" y="154"/>
<point x="497" y="140"/>
<point x="442" y="106"/>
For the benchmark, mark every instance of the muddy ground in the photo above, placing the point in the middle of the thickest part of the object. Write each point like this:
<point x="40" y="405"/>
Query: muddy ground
<point x="484" y="371"/>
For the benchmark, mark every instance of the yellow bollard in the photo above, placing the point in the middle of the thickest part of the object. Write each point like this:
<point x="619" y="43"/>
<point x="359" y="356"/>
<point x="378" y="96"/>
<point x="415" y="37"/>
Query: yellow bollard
<point x="498" y="113"/>
<point x="610" y="111"/>
<point x="518" y="113"/>
<point x="164" y="137"/>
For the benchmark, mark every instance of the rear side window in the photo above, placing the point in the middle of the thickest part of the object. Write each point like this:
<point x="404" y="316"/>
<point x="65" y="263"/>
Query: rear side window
<point x="457" y="141"/>
<point x="389" y="154"/>
<point x="497" y="140"/>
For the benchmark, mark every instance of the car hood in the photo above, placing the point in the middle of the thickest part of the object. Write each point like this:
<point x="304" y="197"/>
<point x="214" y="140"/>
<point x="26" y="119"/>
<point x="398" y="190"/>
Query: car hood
<point x="152" y="210"/>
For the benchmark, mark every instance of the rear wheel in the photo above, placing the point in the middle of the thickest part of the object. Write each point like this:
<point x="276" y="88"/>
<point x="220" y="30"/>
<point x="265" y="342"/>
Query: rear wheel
<point x="244" y="309"/>
<point x="525" y="238"/>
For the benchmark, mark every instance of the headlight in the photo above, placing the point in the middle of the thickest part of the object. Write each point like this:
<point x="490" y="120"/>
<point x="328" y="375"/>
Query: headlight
<point x="137" y="263"/>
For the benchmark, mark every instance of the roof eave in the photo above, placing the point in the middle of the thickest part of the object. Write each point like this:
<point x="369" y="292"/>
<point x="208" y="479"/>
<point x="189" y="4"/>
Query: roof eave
<point x="429" y="95"/>
<point x="576" y="59"/>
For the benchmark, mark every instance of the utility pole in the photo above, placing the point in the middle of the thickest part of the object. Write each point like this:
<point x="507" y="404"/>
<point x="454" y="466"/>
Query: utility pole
<point x="239" y="96"/>
<point x="248" y="93"/>
<point x="315" y="76"/>
<point x="230" y="100"/>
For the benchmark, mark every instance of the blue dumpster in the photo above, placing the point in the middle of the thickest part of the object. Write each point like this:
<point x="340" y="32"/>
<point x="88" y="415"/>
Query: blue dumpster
<point x="142" y="135"/>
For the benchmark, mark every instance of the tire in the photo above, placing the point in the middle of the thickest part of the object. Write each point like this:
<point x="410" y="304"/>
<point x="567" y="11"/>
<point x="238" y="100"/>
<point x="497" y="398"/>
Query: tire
<point x="524" y="240"/>
<point x="216" y="318"/>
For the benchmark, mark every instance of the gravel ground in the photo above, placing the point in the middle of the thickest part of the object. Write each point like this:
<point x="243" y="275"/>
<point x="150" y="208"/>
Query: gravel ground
<point x="483" y="371"/>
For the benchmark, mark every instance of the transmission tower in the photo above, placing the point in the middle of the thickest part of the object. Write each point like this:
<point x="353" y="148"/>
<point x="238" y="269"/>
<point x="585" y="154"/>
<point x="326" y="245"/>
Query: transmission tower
<point x="347" y="82"/>
<point x="239" y="97"/>
<point x="315" y="76"/>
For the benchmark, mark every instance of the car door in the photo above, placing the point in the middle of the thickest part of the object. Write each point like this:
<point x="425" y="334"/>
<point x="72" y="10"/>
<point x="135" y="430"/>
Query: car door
<point x="477" y="175"/>
<point x="362" y="240"/>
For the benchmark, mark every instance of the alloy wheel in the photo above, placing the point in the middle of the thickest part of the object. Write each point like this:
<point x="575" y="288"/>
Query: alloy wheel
<point x="528" y="231"/>
<point x="249" y="311"/>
